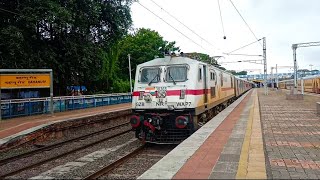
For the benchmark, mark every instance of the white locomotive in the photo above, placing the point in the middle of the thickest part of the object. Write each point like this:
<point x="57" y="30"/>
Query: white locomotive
<point x="174" y="96"/>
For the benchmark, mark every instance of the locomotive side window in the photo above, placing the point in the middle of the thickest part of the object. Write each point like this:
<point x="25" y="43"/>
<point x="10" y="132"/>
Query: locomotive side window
<point x="150" y="75"/>
<point x="231" y="82"/>
<point x="213" y="92"/>
<point x="176" y="74"/>
<point x="221" y="79"/>
<point x="200" y="74"/>
<point x="212" y="77"/>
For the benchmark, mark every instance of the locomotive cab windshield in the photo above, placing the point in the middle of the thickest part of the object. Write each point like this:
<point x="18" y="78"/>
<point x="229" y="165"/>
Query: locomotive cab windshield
<point x="176" y="73"/>
<point x="150" y="75"/>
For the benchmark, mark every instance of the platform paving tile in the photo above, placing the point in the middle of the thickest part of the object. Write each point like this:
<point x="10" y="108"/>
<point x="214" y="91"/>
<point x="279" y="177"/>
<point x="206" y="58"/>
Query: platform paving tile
<point x="227" y="164"/>
<point x="291" y="132"/>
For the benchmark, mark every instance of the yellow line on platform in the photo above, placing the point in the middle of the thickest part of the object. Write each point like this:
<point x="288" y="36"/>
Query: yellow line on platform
<point x="243" y="161"/>
<point x="252" y="160"/>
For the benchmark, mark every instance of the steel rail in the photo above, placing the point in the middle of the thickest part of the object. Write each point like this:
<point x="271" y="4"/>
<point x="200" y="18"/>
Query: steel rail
<point x="27" y="154"/>
<point x="115" y="164"/>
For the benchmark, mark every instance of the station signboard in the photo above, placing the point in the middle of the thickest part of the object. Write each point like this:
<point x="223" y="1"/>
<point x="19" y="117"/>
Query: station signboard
<point x="14" y="81"/>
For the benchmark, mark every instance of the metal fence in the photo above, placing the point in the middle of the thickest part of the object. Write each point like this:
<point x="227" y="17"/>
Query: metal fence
<point x="25" y="107"/>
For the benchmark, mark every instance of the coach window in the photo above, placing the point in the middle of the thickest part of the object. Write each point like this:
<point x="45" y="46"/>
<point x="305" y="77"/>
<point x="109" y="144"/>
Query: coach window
<point x="200" y="74"/>
<point x="176" y="74"/>
<point x="150" y="75"/>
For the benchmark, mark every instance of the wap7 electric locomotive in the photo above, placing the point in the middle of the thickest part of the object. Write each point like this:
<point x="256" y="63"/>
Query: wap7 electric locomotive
<point x="174" y="96"/>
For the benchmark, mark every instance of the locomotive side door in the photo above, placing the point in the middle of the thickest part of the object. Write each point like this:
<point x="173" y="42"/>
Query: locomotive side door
<point x="205" y="84"/>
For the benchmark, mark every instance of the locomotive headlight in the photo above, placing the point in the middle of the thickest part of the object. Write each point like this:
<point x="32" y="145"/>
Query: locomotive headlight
<point x="182" y="93"/>
<point x="135" y="121"/>
<point x="141" y="95"/>
<point x="181" y="122"/>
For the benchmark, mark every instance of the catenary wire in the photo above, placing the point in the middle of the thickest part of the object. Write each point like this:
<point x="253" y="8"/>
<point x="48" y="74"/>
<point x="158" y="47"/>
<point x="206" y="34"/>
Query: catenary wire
<point x="244" y="21"/>
<point x="203" y="38"/>
<point x="242" y="47"/>
<point x="172" y="26"/>
<point x="244" y="54"/>
<point x="184" y="25"/>
<point x="224" y="34"/>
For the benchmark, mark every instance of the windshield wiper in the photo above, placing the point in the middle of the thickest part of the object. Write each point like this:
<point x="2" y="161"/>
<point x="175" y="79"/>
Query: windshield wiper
<point x="174" y="82"/>
<point x="153" y="79"/>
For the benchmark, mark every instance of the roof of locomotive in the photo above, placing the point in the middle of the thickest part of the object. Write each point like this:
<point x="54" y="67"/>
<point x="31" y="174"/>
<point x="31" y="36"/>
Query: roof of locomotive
<point x="169" y="60"/>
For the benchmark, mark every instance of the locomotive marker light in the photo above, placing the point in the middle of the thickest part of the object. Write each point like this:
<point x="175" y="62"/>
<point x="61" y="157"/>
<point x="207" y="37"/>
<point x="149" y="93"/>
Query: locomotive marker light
<point x="181" y="122"/>
<point x="135" y="121"/>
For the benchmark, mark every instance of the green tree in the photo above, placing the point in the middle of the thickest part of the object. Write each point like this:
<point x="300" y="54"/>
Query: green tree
<point x="66" y="36"/>
<point x="110" y="67"/>
<point x="232" y="72"/>
<point x="242" y="73"/>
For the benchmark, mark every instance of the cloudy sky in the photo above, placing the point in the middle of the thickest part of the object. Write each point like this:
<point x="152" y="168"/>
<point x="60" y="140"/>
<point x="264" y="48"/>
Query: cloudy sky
<point x="282" y="22"/>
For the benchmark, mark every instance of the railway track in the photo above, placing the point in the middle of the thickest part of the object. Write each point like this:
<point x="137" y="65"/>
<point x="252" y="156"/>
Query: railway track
<point x="133" y="164"/>
<point x="9" y="162"/>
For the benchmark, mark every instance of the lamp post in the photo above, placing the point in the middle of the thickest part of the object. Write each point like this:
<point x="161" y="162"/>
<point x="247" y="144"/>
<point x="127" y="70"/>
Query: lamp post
<point x="130" y="73"/>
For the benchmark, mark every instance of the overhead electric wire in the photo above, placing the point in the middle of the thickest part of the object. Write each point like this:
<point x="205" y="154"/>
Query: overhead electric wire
<point x="184" y="25"/>
<point x="224" y="34"/>
<point x="242" y="47"/>
<point x="244" y="54"/>
<point x="172" y="26"/>
<point x="244" y="21"/>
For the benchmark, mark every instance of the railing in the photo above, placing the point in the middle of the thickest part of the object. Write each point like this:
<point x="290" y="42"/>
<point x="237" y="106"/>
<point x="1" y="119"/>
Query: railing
<point x="26" y="107"/>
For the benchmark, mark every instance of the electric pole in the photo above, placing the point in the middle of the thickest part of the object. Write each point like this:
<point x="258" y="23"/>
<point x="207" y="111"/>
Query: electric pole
<point x="265" y="66"/>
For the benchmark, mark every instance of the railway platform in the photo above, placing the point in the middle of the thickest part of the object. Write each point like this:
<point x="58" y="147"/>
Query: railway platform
<point x="24" y="128"/>
<point x="257" y="137"/>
